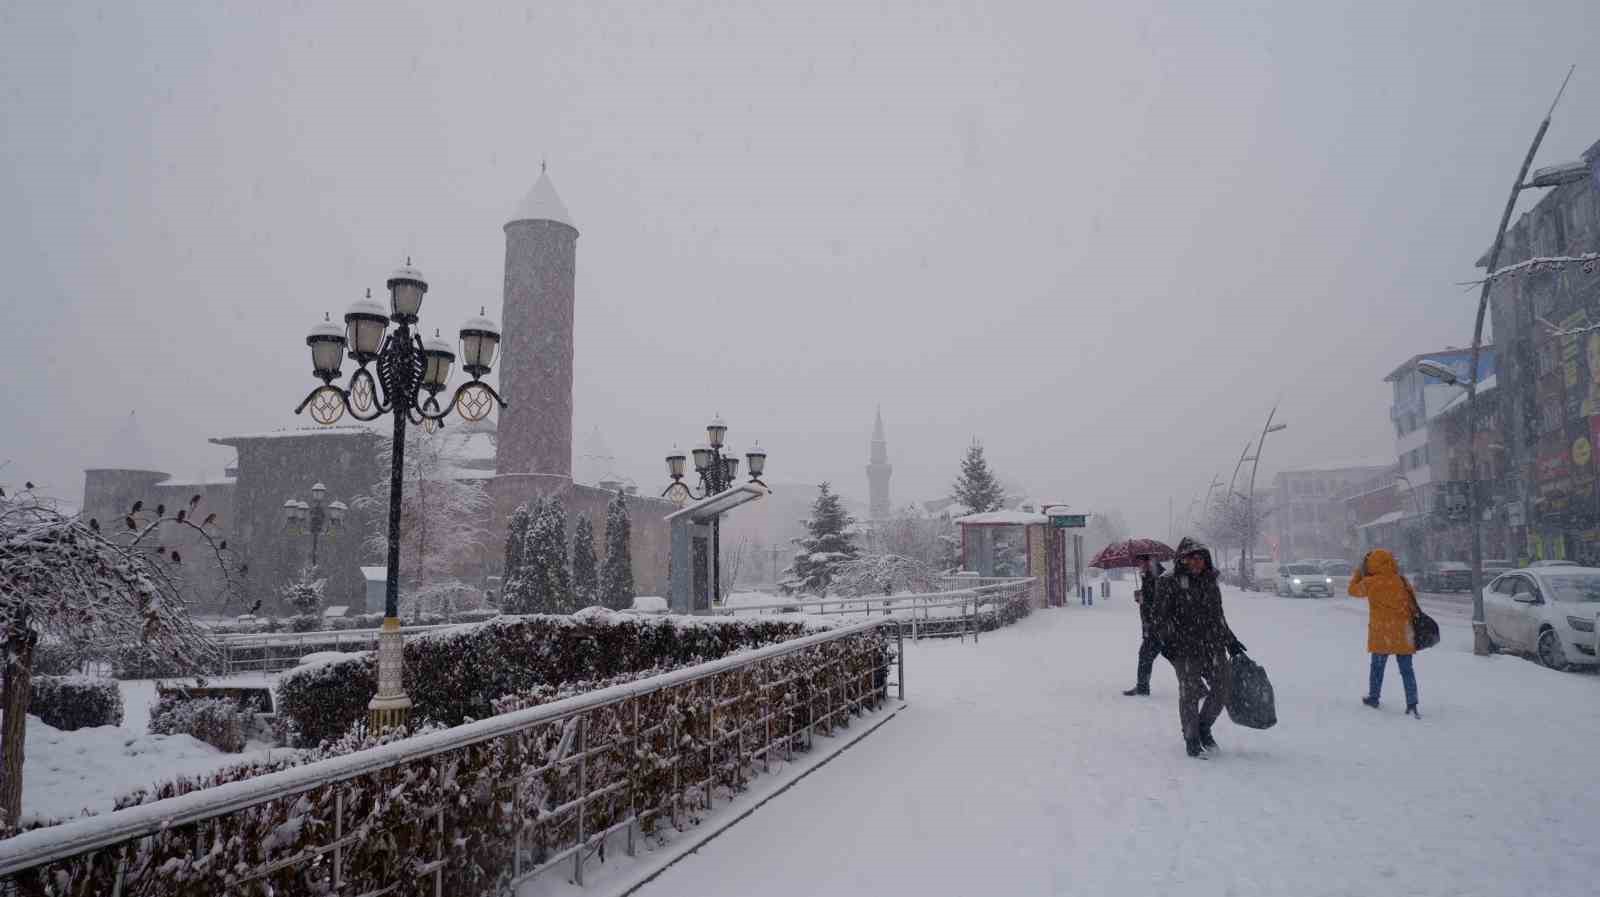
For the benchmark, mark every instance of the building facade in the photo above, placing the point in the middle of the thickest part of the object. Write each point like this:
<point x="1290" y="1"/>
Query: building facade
<point x="1309" y="516"/>
<point x="1549" y="375"/>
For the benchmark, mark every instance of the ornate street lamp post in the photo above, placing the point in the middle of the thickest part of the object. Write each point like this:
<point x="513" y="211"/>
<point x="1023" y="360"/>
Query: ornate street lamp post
<point x="314" y="518"/>
<point x="411" y="374"/>
<point x="717" y="472"/>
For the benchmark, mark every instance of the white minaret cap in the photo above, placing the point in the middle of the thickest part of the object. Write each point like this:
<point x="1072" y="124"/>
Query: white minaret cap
<point x="542" y="203"/>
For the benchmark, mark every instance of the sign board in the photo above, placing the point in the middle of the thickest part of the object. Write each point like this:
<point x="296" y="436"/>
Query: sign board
<point x="1069" y="521"/>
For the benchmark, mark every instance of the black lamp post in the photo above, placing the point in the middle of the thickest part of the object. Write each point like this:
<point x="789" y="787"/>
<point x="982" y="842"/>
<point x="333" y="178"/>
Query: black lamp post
<point x="411" y="373"/>
<point x="718" y="472"/>
<point x="314" y="518"/>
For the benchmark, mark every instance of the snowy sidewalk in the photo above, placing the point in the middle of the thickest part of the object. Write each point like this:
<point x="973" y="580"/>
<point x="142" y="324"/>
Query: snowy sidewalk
<point x="1020" y="769"/>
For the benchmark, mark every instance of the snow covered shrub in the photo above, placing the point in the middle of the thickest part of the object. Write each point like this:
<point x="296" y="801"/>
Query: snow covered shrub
<point x="457" y="673"/>
<point x="219" y="722"/>
<point x="76" y="702"/>
<point x="305" y="623"/>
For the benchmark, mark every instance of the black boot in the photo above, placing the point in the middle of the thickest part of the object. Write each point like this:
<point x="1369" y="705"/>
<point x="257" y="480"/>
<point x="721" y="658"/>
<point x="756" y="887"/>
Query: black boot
<point x="1137" y="690"/>
<point x="1206" y="741"/>
<point x="1370" y="702"/>
<point x="1192" y="745"/>
<point x="1411" y="710"/>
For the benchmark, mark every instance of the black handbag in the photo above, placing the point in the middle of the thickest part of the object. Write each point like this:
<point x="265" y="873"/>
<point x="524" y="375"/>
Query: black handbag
<point x="1424" y="629"/>
<point x="1250" y="699"/>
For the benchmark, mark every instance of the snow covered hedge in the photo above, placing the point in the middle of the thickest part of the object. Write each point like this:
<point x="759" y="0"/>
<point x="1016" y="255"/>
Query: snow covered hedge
<point x="646" y="754"/>
<point x="454" y="675"/>
<point x="219" y="722"/>
<point x="76" y="702"/>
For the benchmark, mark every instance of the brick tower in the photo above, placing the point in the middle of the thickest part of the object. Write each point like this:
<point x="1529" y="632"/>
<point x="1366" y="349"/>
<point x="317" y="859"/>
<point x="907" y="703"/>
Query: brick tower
<point x="878" y="471"/>
<point x="535" y="433"/>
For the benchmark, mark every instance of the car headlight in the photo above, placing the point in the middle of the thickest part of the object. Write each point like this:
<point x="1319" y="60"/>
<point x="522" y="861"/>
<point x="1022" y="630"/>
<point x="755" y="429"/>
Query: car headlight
<point x="1582" y="624"/>
<point x="1297" y="581"/>
<point x="1329" y="580"/>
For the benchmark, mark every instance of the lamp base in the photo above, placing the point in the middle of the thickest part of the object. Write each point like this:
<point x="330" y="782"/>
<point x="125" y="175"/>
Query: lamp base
<point x="390" y="707"/>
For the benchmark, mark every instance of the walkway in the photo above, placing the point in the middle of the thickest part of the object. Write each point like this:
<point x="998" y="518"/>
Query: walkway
<point x="1020" y="769"/>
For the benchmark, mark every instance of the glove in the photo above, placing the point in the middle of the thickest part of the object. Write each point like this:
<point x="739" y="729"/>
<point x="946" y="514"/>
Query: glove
<point x="1236" y="648"/>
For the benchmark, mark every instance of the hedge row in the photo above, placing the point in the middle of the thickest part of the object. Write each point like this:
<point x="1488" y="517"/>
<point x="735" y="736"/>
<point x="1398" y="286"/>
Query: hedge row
<point x="75" y="702"/>
<point x="219" y="722"/>
<point x="455" y="675"/>
<point x="497" y="792"/>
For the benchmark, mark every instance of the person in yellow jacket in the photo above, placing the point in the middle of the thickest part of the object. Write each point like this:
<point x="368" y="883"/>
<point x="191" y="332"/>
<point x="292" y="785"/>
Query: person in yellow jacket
<point x="1391" y="605"/>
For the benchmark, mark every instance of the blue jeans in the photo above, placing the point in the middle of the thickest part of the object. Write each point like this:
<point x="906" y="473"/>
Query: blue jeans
<point x="1408" y="676"/>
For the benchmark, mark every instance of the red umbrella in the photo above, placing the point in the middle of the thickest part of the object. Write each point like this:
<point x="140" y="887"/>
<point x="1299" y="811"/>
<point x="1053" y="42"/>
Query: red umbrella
<point x="1127" y="554"/>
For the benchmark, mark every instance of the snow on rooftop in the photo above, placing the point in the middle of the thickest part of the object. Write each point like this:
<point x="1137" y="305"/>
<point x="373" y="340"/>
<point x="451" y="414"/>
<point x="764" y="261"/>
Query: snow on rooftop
<point x="1484" y="386"/>
<point x="1002" y="518"/>
<point x="542" y="204"/>
<point x="312" y="430"/>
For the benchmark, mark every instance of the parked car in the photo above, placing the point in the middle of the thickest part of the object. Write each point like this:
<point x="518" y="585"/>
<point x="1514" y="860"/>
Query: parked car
<point x="1339" y="572"/>
<point x="1548" y="612"/>
<point x="1303" y="581"/>
<point x="1446" y="576"/>
<point x="1554" y="563"/>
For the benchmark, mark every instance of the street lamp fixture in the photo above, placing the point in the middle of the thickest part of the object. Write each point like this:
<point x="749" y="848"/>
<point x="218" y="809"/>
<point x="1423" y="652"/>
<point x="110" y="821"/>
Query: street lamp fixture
<point x="1441" y="372"/>
<point x="718" y="473"/>
<point x="411" y="372"/>
<point x="313" y="518"/>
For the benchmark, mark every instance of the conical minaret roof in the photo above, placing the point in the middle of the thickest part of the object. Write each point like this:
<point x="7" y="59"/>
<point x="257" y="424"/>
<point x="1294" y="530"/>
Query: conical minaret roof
<point x="877" y="427"/>
<point x="543" y="203"/>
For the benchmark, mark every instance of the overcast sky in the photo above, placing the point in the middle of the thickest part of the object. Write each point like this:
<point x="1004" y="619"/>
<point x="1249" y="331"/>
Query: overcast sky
<point x="1103" y="241"/>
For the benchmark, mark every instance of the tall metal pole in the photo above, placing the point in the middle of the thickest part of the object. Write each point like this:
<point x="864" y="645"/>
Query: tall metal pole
<point x="1480" y="630"/>
<point x="1250" y="504"/>
<point x="316" y="530"/>
<point x="390" y="707"/>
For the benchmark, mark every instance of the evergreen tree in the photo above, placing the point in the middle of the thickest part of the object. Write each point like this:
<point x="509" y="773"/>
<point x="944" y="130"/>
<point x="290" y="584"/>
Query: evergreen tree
<point x="548" y="583"/>
<point x="585" y="574"/>
<point x="616" y="576"/>
<point x="827" y="545"/>
<point x="516" y="533"/>
<point x="977" y="487"/>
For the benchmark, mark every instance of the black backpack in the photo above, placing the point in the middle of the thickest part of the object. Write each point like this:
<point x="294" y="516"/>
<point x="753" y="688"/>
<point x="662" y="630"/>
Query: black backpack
<point x="1250" y="700"/>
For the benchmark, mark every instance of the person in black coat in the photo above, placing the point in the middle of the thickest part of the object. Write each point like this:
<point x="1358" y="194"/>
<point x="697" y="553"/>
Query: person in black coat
<point x="1195" y="636"/>
<point x="1149" y="646"/>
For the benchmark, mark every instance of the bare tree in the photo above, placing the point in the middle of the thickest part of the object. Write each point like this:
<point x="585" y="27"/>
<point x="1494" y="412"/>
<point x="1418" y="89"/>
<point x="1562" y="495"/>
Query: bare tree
<point x="67" y="579"/>
<point x="441" y="513"/>
<point x="732" y="564"/>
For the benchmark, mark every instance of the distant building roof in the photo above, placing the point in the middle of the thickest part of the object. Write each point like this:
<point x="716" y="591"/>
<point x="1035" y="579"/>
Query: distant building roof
<point x="299" y="432"/>
<point x="543" y="204"/>
<point x="1002" y="518"/>
<point x="1488" y="383"/>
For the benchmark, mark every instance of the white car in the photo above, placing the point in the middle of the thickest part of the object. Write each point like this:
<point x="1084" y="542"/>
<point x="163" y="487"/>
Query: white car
<point x="1549" y="612"/>
<point x="1339" y="572"/>
<point x="1303" y="581"/>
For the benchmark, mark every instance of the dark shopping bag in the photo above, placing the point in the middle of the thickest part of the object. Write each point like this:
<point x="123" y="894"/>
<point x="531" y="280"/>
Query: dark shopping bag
<point x="1250" y="701"/>
<point x="1424" y="630"/>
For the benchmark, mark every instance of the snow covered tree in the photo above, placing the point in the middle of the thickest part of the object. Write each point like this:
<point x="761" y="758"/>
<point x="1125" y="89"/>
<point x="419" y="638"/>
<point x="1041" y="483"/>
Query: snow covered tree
<point x="883" y="574"/>
<point x="616" y="575"/>
<point x="543" y="584"/>
<point x="977" y="487"/>
<point x="1230" y="521"/>
<point x="516" y="533"/>
<point x="585" y="568"/>
<point x="440" y="513"/>
<point x="828" y="543"/>
<point x="305" y="595"/>
<point x="68" y="579"/>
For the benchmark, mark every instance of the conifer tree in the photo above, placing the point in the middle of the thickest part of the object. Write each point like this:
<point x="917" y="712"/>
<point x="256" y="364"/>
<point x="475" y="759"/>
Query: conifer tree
<point x="585" y="575"/>
<point x="827" y="545"/>
<point x="977" y="487"/>
<point x="517" y="589"/>
<point x="544" y="561"/>
<point x="616" y="576"/>
<point x="516" y="533"/>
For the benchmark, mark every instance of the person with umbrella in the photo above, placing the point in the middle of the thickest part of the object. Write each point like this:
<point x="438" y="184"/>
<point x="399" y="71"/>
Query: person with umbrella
<point x="1149" y="646"/>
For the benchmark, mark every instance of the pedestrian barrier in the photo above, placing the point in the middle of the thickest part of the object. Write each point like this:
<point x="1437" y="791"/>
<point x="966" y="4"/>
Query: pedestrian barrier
<point x="277" y="651"/>
<point x="481" y="807"/>
<point x="982" y="604"/>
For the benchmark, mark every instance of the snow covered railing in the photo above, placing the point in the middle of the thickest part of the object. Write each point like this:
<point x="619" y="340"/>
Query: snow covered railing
<point x="955" y="612"/>
<point x="481" y="807"/>
<point x="274" y="651"/>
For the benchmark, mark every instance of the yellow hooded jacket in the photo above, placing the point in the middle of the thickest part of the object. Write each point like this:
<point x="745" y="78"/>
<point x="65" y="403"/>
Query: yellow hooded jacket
<point x="1391" y="604"/>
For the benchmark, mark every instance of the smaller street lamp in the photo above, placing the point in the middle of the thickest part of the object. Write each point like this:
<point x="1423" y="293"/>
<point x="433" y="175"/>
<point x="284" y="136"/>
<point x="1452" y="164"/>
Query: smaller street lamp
<point x="314" y="518"/>
<point x="717" y="472"/>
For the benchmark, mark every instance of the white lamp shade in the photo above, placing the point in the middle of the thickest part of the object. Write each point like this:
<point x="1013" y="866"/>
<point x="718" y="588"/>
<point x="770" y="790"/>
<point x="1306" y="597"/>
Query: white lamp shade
<point x="336" y="511"/>
<point x="406" y="288"/>
<point x="326" y="340"/>
<point x="730" y="465"/>
<point x="702" y="457"/>
<point x="480" y="338"/>
<point x="757" y="459"/>
<point x="716" y="431"/>
<point x="365" y="322"/>
<point x="318" y="491"/>
<point x="675" y="465"/>
<point x="441" y="355"/>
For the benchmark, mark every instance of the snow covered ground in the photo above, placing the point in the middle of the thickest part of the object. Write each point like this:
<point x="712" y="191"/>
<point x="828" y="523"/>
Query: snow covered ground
<point x="1019" y="768"/>
<point x="65" y="773"/>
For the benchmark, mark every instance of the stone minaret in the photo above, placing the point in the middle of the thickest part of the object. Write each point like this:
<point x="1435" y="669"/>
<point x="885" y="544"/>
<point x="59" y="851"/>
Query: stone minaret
<point x="535" y="433"/>
<point x="878" y="471"/>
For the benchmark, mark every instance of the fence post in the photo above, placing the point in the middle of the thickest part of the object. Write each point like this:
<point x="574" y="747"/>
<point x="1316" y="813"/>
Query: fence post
<point x="583" y="795"/>
<point x="900" y="661"/>
<point x="338" y="836"/>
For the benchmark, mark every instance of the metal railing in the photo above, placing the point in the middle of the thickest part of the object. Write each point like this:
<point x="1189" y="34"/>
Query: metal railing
<point x="271" y="652"/>
<point x="570" y="774"/>
<point x="947" y="614"/>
